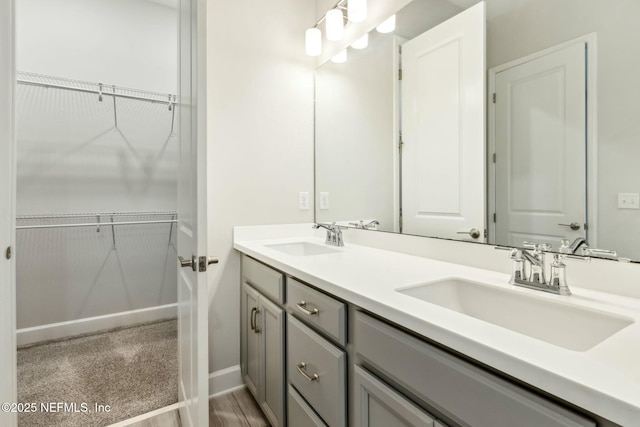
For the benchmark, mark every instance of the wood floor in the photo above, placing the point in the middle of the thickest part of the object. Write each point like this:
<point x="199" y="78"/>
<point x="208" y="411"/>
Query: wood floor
<point x="235" y="409"/>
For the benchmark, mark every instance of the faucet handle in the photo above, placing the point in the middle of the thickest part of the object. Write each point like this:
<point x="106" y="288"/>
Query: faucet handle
<point x="537" y="247"/>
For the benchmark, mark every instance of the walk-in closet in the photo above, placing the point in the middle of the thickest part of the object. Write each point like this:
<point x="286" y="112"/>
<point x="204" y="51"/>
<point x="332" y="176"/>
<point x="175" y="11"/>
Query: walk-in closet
<point x="96" y="217"/>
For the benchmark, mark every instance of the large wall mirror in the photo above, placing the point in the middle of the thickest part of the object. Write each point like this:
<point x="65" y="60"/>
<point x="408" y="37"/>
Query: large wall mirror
<point x="530" y="135"/>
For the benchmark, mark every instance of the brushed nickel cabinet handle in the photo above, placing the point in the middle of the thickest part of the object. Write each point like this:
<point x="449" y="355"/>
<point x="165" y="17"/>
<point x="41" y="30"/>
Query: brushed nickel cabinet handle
<point x="253" y="313"/>
<point x="301" y="368"/>
<point x="302" y="307"/>
<point x="256" y="328"/>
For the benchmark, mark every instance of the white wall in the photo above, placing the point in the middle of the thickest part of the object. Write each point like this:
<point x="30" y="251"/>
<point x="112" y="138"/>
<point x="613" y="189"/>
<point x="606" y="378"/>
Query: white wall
<point x="130" y="43"/>
<point x="355" y="135"/>
<point x="260" y="131"/>
<point x="72" y="159"/>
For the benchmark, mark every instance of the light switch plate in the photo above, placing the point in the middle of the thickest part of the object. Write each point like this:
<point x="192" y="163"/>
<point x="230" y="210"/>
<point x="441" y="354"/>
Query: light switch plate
<point x="303" y="200"/>
<point x="628" y="200"/>
<point x="324" y="200"/>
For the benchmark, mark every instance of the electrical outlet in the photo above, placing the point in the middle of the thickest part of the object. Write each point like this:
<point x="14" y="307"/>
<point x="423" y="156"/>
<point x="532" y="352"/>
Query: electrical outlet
<point x="324" y="201"/>
<point x="303" y="200"/>
<point x="628" y="201"/>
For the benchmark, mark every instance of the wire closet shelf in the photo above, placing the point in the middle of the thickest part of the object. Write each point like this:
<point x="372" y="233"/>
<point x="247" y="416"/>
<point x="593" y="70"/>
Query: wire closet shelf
<point x="100" y="219"/>
<point x="99" y="89"/>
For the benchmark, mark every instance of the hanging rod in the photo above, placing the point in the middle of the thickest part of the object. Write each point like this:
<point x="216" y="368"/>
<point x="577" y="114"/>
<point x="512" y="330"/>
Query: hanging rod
<point x="94" y="214"/>
<point x="99" y="89"/>
<point x="95" y="224"/>
<point x="171" y="98"/>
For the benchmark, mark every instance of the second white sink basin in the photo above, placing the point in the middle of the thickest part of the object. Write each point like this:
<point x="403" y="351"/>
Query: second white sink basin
<point x="565" y="325"/>
<point x="302" y="248"/>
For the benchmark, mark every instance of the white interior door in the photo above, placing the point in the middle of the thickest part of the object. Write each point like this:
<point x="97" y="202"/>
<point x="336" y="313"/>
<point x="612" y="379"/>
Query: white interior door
<point x="7" y="215"/>
<point x="540" y="143"/>
<point x="443" y="129"/>
<point x="193" y="301"/>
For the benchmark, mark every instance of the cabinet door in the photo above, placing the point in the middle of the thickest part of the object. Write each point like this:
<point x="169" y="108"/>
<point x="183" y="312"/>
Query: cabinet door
<point x="378" y="405"/>
<point x="250" y="340"/>
<point x="271" y="327"/>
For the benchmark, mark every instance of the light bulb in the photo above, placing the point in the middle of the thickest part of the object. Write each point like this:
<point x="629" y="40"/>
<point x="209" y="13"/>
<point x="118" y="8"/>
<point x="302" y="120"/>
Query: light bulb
<point x="387" y="25"/>
<point x="313" y="42"/>
<point x="340" y="57"/>
<point x="357" y="10"/>
<point x="361" y="43"/>
<point x="335" y="25"/>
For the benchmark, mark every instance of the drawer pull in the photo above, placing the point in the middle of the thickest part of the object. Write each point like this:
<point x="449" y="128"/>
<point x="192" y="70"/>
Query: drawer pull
<point x="301" y="368"/>
<point x="253" y="324"/>
<point x="254" y="320"/>
<point x="302" y="307"/>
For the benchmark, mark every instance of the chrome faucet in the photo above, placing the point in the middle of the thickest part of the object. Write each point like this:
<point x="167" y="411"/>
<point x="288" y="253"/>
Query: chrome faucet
<point x="529" y="269"/>
<point x="367" y="226"/>
<point x="334" y="233"/>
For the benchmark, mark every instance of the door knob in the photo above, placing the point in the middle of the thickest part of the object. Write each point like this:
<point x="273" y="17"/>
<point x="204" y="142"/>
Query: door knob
<point x="474" y="233"/>
<point x="574" y="226"/>
<point x="189" y="263"/>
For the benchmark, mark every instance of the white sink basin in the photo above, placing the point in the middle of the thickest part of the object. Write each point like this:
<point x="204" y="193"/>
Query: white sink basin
<point x="556" y="322"/>
<point x="302" y="248"/>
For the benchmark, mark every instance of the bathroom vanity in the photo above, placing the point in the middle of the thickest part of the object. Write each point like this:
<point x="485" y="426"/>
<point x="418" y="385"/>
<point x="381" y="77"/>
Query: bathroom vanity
<point x="338" y="336"/>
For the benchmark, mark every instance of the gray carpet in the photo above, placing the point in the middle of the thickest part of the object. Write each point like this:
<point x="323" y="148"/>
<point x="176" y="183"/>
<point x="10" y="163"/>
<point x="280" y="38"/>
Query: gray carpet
<point x="134" y="370"/>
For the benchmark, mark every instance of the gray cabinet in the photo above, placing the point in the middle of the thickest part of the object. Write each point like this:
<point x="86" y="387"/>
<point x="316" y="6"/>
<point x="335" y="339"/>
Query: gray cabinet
<point x="394" y="378"/>
<point x="378" y="405"/>
<point x="465" y="393"/>
<point x="262" y="348"/>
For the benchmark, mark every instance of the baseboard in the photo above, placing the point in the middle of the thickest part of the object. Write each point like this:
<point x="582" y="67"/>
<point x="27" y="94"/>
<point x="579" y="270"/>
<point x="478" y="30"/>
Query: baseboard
<point x="224" y="381"/>
<point x="148" y="415"/>
<point x="93" y="324"/>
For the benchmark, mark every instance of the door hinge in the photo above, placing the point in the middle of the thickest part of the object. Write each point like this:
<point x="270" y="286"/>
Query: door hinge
<point x="494" y="157"/>
<point x="8" y="254"/>
<point x="494" y="217"/>
<point x="494" y="97"/>
<point x="400" y="74"/>
<point x="485" y="233"/>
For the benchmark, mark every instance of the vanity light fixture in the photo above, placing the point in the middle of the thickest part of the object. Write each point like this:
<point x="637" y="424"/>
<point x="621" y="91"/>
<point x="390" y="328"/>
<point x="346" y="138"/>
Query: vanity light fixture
<point x="334" y="19"/>
<point x="361" y="43"/>
<point x="388" y="25"/>
<point x="313" y="41"/>
<point x="340" y="57"/>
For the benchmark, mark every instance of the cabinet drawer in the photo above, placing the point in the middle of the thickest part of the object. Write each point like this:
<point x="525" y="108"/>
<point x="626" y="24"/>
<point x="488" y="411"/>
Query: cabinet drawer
<point x="318" y="309"/>
<point x="465" y="393"/>
<point x="317" y="369"/>
<point x="267" y="280"/>
<point x="300" y="413"/>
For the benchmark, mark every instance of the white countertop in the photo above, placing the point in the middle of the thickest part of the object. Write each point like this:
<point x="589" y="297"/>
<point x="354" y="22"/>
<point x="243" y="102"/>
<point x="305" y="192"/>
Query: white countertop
<point x="604" y="380"/>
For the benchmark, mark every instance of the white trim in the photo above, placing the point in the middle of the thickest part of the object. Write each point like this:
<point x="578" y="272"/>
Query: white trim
<point x="592" y="131"/>
<point x="95" y="324"/>
<point x="225" y="381"/>
<point x="8" y="364"/>
<point x="148" y="415"/>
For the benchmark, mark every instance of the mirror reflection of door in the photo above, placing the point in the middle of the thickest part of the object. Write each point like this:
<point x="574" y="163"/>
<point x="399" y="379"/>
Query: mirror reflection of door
<point x="540" y="148"/>
<point x="443" y="172"/>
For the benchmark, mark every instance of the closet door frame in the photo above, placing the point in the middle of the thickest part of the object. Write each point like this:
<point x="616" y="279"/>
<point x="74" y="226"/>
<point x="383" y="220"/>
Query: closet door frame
<point x="8" y="363"/>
